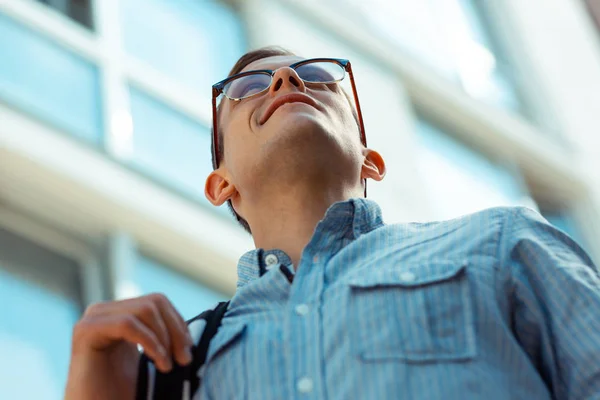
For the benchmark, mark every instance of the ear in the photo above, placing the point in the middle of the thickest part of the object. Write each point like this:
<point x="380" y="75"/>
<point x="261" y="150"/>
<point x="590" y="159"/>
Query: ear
<point x="218" y="189"/>
<point x="373" y="165"/>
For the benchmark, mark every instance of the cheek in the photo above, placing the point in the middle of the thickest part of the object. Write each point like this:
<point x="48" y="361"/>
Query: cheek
<point x="346" y="124"/>
<point x="336" y="101"/>
<point x="238" y="133"/>
<point x="343" y="111"/>
<point x="236" y="150"/>
<point x="241" y="150"/>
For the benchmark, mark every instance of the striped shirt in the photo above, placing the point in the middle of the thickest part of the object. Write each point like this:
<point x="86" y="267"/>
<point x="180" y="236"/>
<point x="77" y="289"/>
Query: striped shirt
<point x="497" y="305"/>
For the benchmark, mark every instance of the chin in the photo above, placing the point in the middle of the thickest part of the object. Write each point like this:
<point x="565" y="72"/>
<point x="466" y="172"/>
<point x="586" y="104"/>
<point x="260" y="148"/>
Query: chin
<point x="301" y="129"/>
<point x="301" y="144"/>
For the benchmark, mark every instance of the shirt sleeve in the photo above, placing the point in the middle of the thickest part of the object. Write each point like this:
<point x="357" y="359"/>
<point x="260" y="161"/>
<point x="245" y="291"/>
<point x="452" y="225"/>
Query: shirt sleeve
<point x="555" y="304"/>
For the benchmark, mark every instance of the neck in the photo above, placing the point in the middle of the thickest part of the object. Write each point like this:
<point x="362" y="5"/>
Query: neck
<point x="287" y="221"/>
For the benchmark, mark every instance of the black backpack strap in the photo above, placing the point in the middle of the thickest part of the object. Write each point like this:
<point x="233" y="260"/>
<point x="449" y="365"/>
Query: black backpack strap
<point x="155" y="385"/>
<point x="200" y="352"/>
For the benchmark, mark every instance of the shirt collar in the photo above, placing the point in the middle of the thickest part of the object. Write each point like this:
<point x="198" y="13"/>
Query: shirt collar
<point x="344" y="219"/>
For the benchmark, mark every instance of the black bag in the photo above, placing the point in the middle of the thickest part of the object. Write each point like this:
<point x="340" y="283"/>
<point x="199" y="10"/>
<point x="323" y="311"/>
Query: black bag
<point x="181" y="382"/>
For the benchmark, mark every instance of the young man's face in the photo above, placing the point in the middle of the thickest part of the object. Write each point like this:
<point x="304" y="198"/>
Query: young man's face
<point x="312" y="137"/>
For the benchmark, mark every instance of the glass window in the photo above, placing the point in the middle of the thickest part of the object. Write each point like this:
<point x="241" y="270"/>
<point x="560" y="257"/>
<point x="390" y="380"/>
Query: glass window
<point x="593" y="7"/>
<point x="39" y="294"/>
<point x="459" y="180"/>
<point x="170" y="146"/>
<point x="484" y="72"/>
<point x="43" y="79"/>
<point x="188" y="295"/>
<point x="449" y="37"/>
<point x="202" y="42"/>
<point x="77" y="10"/>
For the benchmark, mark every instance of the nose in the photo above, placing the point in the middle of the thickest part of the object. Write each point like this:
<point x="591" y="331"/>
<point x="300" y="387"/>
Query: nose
<point x="286" y="78"/>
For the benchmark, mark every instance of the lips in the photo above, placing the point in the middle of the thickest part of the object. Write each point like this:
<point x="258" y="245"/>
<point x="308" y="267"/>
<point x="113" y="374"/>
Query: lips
<point x="284" y="99"/>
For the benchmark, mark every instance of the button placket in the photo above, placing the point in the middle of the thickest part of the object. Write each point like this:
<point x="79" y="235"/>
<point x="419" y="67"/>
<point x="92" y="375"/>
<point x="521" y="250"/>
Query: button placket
<point x="304" y="338"/>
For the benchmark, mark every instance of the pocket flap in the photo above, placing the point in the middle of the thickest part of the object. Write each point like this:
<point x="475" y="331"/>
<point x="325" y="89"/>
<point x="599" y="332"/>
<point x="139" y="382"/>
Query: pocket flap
<point x="225" y="336"/>
<point x="408" y="275"/>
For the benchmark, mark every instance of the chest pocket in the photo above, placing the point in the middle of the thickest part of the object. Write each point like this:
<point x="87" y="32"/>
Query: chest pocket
<point x="413" y="313"/>
<point x="224" y="373"/>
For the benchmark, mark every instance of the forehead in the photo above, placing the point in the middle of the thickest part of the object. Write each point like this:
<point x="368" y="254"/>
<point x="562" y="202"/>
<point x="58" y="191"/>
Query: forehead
<point x="272" y="62"/>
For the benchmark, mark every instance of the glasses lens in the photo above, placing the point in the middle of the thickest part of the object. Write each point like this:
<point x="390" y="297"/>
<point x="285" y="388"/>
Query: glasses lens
<point x="321" y="72"/>
<point x="247" y="85"/>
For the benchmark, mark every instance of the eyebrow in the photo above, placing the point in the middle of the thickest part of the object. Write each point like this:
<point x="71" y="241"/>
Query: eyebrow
<point x="271" y="69"/>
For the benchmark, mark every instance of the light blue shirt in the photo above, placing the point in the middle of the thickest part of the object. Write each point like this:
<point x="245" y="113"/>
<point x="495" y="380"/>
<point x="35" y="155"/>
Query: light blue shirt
<point x="493" y="305"/>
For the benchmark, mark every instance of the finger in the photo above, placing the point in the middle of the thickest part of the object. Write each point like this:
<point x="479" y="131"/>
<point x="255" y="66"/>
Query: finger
<point x="149" y="314"/>
<point x="130" y="329"/>
<point x="183" y="325"/>
<point x="181" y="342"/>
<point x="143" y="308"/>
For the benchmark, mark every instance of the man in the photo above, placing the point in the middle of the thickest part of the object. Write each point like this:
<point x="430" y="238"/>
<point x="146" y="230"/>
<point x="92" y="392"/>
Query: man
<point x="335" y="304"/>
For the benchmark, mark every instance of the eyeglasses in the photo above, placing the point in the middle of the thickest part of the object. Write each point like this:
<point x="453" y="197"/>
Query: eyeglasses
<point x="251" y="83"/>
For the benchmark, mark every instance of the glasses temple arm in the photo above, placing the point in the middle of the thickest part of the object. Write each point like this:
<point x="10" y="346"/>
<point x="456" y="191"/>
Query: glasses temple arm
<point x="215" y="133"/>
<point x="363" y="136"/>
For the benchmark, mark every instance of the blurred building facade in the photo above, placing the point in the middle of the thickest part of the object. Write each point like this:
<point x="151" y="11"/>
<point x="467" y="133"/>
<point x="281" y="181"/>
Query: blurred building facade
<point x="104" y="138"/>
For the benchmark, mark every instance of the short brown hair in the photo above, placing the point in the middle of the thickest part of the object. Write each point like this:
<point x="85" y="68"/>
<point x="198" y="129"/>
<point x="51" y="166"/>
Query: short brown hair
<point x="242" y="63"/>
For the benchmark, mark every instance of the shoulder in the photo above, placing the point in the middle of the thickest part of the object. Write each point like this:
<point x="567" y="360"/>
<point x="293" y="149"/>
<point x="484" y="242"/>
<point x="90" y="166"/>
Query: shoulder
<point x="529" y="240"/>
<point x="522" y="224"/>
<point x="503" y="215"/>
<point x="490" y="222"/>
<point x="472" y="235"/>
<point x="198" y="324"/>
<point x="496" y="222"/>
<point x="510" y="229"/>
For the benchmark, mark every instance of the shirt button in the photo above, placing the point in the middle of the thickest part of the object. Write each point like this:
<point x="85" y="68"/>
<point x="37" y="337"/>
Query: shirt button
<point x="305" y="385"/>
<point x="408" y="276"/>
<point x="301" y="309"/>
<point x="271" y="259"/>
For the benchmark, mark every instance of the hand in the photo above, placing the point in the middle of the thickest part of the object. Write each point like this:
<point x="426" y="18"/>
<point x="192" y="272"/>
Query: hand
<point x="104" y="354"/>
